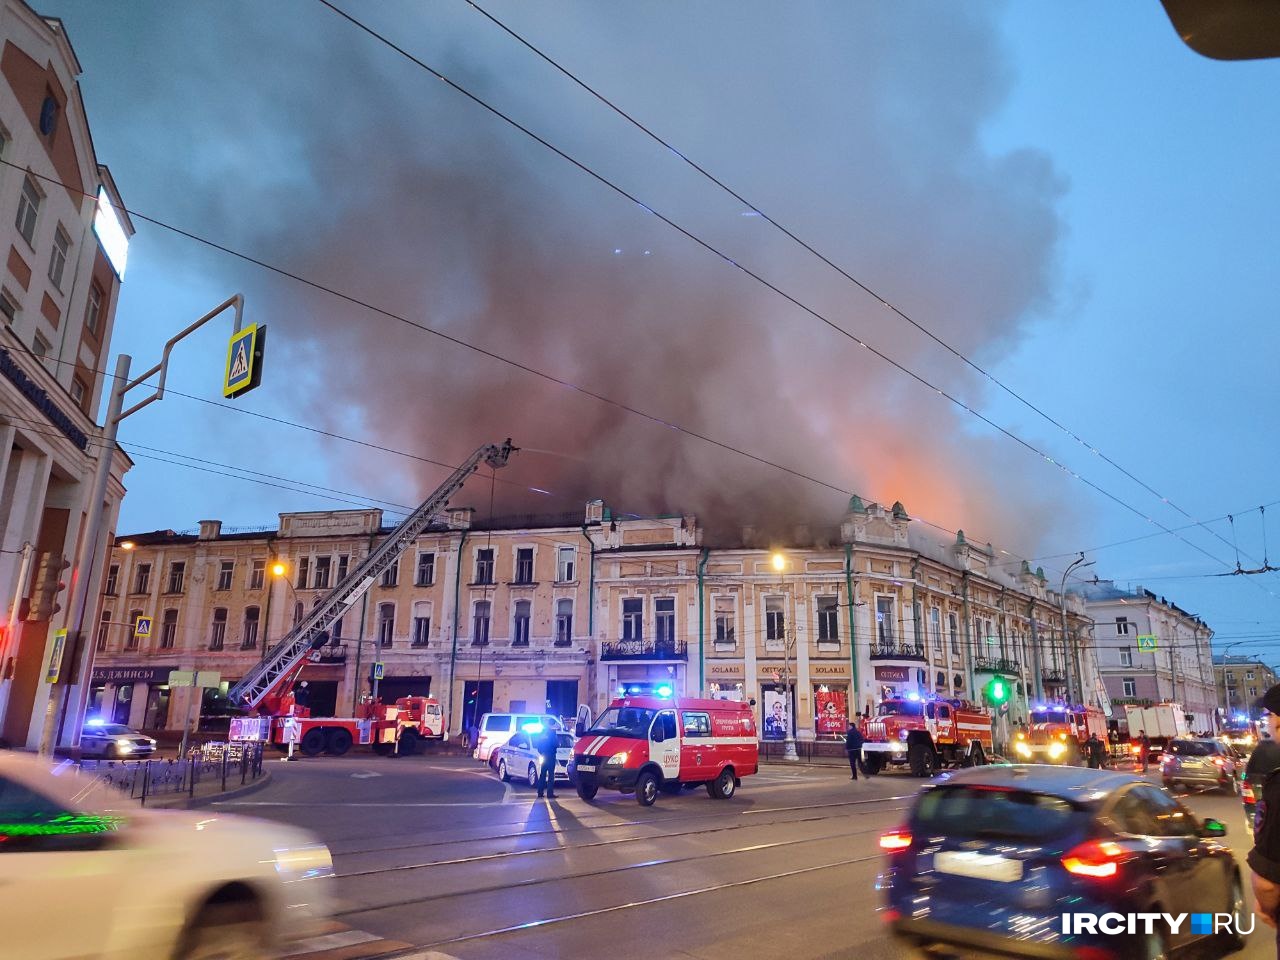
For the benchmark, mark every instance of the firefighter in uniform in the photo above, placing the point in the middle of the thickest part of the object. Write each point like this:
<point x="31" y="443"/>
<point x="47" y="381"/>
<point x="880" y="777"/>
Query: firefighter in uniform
<point x="1264" y="858"/>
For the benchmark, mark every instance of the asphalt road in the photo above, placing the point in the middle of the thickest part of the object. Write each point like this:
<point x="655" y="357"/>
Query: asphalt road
<point x="437" y="854"/>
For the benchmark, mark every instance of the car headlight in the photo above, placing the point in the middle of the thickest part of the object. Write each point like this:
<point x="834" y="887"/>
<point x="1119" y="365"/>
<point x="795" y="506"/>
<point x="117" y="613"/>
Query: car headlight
<point x="903" y="734"/>
<point x="1022" y="749"/>
<point x="304" y="863"/>
<point x="1056" y="750"/>
<point x="125" y="745"/>
<point x="618" y="759"/>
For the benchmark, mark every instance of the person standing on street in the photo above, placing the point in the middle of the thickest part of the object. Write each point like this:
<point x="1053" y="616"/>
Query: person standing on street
<point x="1264" y="858"/>
<point x="853" y="746"/>
<point x="1144" y="749"/>
<point x="1093" y="747"/>
<point x="545" y="742"/>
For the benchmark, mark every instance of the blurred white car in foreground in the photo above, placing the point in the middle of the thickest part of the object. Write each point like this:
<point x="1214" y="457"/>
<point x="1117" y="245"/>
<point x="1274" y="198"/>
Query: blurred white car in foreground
<point x="85" y="873"/>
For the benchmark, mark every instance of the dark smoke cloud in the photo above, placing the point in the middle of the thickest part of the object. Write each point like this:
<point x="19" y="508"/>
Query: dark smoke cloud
<point x="286" y="132"/>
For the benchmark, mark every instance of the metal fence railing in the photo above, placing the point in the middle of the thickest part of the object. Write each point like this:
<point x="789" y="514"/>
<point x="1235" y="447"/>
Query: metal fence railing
<point x="211" y="768"/>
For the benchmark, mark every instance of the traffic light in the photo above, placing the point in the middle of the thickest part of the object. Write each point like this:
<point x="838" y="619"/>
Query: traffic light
<point x="997" y="692"/>
<point x="49" y="583"/>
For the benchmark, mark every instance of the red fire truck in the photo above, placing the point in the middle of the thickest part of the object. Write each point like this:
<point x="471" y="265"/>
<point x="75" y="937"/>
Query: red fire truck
<point x="647" y="744"/>
<point x="1057" y="734"/>
<point x="392" y="729"/>
<point x="926" y="735"/>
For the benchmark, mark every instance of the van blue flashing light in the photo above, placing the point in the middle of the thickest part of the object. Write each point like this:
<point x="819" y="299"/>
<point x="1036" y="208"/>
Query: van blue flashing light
<point x="913" y="695"/>
<point x="532" y="728"/>
<point x="95" y="722"/>
<point x="663" y="691"/>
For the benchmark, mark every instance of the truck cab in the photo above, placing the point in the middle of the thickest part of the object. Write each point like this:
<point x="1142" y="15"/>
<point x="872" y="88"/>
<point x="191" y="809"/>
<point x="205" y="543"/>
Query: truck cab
<point x="645" y="744"/>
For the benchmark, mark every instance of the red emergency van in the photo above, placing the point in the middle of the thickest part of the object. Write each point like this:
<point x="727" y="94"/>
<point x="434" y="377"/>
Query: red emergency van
<point x="647" y="744"/>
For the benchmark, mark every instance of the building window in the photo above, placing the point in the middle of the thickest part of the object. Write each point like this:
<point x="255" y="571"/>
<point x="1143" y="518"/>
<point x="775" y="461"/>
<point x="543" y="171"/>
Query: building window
<point x="28" y="207"/>
<point x="664" y="617"/>
<point x="304" y="571"/>
<point x="935" y="628"/>
<point x="8" y="307"/>
<point x="250" y="638"/>
<point x="1248" y="674"/>
<point x="323" y="566"/>
<point x="775" y="624"/>
<point x="633" y="619"/>
<point x="113" y="578"/>
<point x="565" y="563"/>
<point x="93" y="309"/>
<point x="257" y="574"/>
<point x="564" y="623"/>
<point x="131" y="636"/>
<point x="953" y="628"/>
<point x="104" y="624"/>
<point x="884" y="620"/>
<point x="1122" y="626"/>
<point x="386" y="623"/>
<point x="391" y="575"/>
<point x="828" y="620"/>
<point x="142" y="580"/>
<point x="58" y="257"/>
<point x="484" y="565"/>
<point x="1130" y="686"/>
<point x="226" y="571"/>
<point x="520" y="624"/>
<point x="342" y="567"/>
<point x="169" y="630"/>
<point x="524" y="565"/>
<point x="726" y="619"/>
<point x="480" y="623"/>
<point x="177" y="573"/>
<point x="40" y="346"/>
<point x="421" y="623"/>
<point x="426" y="570"/>
<point x="1126" y="657"/>
<point x="1253" y="691"/>
<point x="218" y="629"/>
<point x="77" y="392"/>
<point x="297" y="613"/>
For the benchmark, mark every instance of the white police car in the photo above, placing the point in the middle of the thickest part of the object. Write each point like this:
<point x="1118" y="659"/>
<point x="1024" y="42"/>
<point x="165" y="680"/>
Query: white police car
<point x="114" y="741"/>
<point x="518" y="759"/>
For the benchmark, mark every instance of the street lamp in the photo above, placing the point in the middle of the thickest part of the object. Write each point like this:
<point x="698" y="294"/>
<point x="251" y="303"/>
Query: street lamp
<point x="1073" y="650"/>
<point x="788" y="642"/>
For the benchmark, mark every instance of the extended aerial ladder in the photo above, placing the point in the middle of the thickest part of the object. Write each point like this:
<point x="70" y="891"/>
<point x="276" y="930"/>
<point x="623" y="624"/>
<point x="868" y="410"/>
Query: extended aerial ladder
<point x="275" y="673"/>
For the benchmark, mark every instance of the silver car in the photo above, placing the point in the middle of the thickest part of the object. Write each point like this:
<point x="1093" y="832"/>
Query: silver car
<point x="1201" y="761"/>
<point x="115" y="741"/>
<point x="518" y="760"/>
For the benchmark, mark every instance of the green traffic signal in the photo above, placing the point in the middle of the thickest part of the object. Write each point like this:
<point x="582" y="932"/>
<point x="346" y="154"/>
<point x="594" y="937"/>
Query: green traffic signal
<point x="997" y="691"/>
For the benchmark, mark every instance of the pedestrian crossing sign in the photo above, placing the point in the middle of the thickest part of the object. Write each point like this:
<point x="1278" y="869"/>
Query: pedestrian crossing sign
<point x="244" y="360"/>
<point x="142" y="627"/>
<point x="1147" y="643"/>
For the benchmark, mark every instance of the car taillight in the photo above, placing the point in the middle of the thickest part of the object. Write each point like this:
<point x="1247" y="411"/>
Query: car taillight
<point x="1246" y="792"/>
<point x="1218" y="761"/>
<point x="895" y="840"/>
<point x="1094" y="858"/>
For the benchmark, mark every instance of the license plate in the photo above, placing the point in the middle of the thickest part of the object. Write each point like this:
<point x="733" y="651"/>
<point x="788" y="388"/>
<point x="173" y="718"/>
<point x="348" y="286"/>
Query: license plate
<point x="982" y="866"/>
<point x="586" y="768"/>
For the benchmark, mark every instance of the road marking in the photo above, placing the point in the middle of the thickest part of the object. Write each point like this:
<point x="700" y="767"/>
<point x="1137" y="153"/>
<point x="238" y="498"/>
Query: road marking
<point x="364" y="776"/>
<point x="343" y="943"/>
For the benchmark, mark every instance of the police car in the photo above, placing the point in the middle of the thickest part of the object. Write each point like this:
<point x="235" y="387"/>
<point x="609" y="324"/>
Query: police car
<point x="114" y="741"/>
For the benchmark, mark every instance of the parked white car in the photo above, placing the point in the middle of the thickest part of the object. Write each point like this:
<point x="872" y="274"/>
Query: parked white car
<point x="517" y="759"/>
<point x="87" y="873"/>
<point x="497" y="728"/>
<point x="115" y="741"/>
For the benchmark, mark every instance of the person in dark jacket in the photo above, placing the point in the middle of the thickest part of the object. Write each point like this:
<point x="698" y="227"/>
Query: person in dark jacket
<point x="1144" y="749"/>
<point x="853" y="746"/>
<point x="545" y="742"/>
<point x="1264" y="761"/>
<point x="1264" y="858"/>
<point x="1094" y="750"/>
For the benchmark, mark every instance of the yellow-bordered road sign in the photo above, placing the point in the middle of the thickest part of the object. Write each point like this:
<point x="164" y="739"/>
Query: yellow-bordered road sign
<point x="142" y="627"/>
<point x="244" y="360"/>
<point x="1146" y="643"/>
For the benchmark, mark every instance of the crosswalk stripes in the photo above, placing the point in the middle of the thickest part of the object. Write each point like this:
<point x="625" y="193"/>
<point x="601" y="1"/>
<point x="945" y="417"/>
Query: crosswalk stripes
<point x="337" y="941"/>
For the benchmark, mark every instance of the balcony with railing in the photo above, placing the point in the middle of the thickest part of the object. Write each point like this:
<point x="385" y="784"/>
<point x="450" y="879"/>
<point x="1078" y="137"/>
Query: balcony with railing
<point x="997" y="665"/>
<point x="644" y="650"/>
<point x="1054" y="675"/>
<point x="889" y="650"/>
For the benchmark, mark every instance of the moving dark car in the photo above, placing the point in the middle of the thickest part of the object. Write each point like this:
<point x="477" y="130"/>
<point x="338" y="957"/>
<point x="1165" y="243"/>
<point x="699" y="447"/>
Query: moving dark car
<point x="994" y="858"/>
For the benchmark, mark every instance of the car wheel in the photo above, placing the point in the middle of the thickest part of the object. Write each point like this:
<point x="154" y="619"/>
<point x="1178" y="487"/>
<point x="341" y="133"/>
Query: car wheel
<point x="228" y="931"/>
<point x="1229" y="939"/>
<point x="533" y="774"/>
<point x="587" y="791"/>
<point x="502" y="771"/>
<point x="646" y="788"/>
<point x="724" y="785"/>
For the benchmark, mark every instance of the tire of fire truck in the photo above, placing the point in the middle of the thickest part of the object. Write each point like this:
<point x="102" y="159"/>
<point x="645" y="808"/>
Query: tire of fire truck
<point x="724" y="785"/>
<point x="872" y="763"/>
<point x="922" y="759"/>
<point x="338" y="741"/>
<point x="587" y="791"/>
<point x="646" y="788"/>
<point x="408" y="743"/>
<point x="977" y="756"/>
<point x="312" y="742"/>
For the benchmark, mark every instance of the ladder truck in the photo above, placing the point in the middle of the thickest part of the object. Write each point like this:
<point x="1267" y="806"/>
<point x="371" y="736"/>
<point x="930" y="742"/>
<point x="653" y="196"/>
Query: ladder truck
<point x="265" y="692"/>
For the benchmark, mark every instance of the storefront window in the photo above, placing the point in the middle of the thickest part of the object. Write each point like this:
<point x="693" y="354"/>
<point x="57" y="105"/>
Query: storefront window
<point x="727" y="690"/>
<point x="773" y="712"/>
<point x="831" y="706"/>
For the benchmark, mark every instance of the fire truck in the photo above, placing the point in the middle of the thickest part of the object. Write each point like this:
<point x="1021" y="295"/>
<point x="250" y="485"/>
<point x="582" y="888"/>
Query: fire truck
<point x="266" y="691"/>
<point x="1057" y="734"/>
<point x="925" y="735"/>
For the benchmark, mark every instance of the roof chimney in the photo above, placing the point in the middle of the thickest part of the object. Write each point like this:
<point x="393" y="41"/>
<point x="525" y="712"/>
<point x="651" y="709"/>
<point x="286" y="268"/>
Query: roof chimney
<point x="210" y="529"/>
